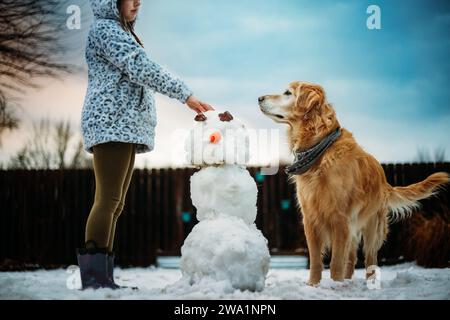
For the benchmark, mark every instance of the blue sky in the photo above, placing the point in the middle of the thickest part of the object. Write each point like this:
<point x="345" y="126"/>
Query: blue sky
<point x="269" y="43"/>
<point x="390" y="87"/>
<point x="398" y="74"/>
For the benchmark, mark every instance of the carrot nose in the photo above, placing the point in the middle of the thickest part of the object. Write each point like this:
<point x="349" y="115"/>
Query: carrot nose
<point x="215" y="137"/>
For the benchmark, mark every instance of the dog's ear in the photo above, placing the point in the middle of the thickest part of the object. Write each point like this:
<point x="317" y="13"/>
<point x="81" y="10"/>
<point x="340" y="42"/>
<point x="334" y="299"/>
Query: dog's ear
<point x="309" y="96"/>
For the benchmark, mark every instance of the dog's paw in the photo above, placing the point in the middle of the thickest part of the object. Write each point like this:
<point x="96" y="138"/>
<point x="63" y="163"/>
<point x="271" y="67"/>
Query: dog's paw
<point x="313" y="282"/>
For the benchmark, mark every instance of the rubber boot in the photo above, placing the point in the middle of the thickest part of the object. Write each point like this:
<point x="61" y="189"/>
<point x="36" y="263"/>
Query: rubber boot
<point x="93" y="265"/>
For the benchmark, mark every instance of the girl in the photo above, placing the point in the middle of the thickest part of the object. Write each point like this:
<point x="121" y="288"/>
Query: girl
<point x="118" y="121"/>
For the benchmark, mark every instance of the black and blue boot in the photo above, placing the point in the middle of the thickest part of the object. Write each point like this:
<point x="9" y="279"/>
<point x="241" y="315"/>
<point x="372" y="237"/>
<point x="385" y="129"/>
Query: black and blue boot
<point x="93" y="265"/>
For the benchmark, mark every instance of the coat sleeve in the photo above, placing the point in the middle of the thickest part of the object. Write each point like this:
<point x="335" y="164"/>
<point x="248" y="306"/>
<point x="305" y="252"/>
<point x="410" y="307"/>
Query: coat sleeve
<point x="119" y="47"/>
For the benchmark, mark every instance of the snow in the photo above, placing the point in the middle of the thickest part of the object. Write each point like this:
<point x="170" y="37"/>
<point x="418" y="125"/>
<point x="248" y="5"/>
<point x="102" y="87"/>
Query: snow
<point x="228" y="251"/>
<point x="405" y="281"/>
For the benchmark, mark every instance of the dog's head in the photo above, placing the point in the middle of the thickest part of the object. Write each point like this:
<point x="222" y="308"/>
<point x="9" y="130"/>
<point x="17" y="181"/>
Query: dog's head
<point x="302" y="104"/>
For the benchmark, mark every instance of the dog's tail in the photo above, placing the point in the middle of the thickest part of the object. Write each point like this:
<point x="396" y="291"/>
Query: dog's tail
<point x="403" y="200"/>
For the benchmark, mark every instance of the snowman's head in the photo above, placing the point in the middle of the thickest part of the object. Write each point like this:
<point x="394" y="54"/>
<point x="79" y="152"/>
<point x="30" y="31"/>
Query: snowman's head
<point x="217" y="138"/>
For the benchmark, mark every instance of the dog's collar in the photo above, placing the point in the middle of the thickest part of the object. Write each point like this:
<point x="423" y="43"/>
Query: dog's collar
<point x="306" y="158"/>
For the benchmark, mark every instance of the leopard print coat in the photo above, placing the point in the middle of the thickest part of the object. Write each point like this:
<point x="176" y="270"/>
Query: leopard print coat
<point x="119" y="103"/>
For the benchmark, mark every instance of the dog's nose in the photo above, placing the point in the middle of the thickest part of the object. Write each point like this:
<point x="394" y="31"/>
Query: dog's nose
<point x="261" y="99"/>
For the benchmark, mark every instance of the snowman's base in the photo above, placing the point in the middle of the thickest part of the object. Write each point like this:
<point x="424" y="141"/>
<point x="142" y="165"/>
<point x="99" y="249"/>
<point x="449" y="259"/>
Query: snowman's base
<point x="227" y="250"/>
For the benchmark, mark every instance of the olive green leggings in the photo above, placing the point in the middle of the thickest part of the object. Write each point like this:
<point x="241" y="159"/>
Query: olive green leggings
<point x="113" y="169"/>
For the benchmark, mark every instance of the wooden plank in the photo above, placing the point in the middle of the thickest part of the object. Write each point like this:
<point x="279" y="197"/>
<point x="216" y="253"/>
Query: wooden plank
<point x="186" y="204"/>
<point x="11" y="215"/>
<point x="178" y="208"/>
<point x="164" y="214"/>
<point x="32" y="227"/>
<point x="76" y="215"/>
<point x="132" y="220"/>
<point x="157" y="208"/>
<point x="23" y="235"/>
<point x="283" y="219"/>
<point x="273" y="213"/>
<point x="59" y="212"/>
<point x="267" y="213"/>
<point x="150" y="231"/>
<point x="4" y="200"/>
<point x="139" y="217"/>
<point x="188" y="173"/>
<point x="389" y="171"/>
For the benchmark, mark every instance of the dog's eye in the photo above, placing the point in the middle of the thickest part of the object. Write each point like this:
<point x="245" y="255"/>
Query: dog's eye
<point x="287" y="93"/>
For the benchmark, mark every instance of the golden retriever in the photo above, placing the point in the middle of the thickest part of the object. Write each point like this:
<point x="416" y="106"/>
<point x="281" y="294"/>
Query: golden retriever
<point x="344" y="194"/>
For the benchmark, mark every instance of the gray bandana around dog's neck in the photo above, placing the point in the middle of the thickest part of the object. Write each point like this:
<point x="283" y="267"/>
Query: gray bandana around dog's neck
<point x="306" y="158"/>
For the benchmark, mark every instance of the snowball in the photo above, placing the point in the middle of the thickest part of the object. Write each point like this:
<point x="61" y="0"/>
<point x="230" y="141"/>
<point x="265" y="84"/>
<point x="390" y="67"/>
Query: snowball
<point x="224" y="190"/>
<point x="232" y="147"/>
<point x="226" y="249"/>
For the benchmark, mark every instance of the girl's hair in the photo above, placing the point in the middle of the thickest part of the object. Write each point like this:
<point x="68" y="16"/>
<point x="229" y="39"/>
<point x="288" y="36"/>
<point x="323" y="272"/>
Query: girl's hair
<point x="128" y="25"/>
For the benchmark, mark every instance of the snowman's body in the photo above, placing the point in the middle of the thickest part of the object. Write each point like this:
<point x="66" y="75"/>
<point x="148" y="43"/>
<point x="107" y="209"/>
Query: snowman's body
<point x="225" y="245"/>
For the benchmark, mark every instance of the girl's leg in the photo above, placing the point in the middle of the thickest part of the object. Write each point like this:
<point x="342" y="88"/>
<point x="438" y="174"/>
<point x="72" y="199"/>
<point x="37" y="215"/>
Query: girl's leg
<point x="122" y="200"/>
<point x="111" y="161"/>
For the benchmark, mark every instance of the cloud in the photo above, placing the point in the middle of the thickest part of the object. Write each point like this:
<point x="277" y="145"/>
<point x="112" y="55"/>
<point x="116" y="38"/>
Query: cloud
<point x="388" y="87"/>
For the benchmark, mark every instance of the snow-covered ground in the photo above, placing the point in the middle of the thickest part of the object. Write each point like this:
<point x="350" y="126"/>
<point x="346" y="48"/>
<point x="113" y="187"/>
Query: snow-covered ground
<point x="405" y="281"/>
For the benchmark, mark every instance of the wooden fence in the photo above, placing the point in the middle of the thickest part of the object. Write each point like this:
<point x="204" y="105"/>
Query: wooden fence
<point x="43" y="214"/>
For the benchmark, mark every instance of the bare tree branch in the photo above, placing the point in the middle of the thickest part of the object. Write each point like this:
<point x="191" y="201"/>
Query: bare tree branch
<point x="30" y="47"/>
<point x="49" y="147"/>
<point x="8" y="119"/>
<point x="62" y="140"/>
<point x="423" y="155"/>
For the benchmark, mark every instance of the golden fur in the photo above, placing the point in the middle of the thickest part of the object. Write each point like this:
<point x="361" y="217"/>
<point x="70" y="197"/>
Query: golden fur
<point x="344" y="196"/>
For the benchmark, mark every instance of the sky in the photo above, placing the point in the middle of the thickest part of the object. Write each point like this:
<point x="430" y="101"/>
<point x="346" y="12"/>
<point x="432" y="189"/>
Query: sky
<point x="389" y="87"/>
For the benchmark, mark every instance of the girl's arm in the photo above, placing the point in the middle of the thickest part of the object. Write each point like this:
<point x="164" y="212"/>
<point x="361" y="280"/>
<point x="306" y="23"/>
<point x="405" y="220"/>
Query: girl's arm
<point x="118" y="46"/>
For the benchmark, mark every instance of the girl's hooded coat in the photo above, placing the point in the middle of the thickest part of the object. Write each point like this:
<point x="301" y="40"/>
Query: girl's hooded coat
<point x="119" y="103"/>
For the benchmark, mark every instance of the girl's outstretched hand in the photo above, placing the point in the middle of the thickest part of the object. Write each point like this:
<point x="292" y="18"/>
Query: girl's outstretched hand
<point x="197" y="105"/>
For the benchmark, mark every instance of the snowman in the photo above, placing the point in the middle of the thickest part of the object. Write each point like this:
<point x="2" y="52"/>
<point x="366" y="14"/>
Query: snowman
<point x="225" y="246"/>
